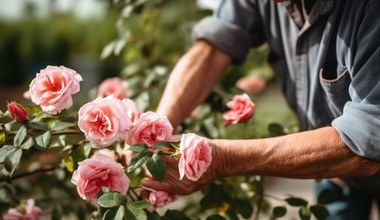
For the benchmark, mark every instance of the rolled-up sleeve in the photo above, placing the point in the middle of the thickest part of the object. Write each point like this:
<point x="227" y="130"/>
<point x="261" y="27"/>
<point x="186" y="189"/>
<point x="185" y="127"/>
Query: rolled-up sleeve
<point x="234" y="28"/>
<point x="359" y="125"/>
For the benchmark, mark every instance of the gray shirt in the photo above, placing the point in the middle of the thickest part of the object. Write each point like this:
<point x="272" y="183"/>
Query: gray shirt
<point x="328" y="62"/>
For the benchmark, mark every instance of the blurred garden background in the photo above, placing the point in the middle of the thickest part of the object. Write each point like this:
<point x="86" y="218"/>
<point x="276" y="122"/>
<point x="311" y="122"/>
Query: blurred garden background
<point x="140" y="43"/>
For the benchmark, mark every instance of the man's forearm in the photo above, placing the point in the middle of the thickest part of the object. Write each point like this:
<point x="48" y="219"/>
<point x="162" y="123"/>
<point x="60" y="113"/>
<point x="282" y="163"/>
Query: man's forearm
<point x="192" y="80"/>
<point x="312" y="154"/>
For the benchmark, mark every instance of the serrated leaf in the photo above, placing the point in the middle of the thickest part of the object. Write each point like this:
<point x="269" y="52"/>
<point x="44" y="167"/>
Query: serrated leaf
<point x="304" y="213"/>
<point x="116" y="213"/>
<point x="36" y="125"/>
<point x="59" y="125"/>
<point x="135" y="214"/>
<point x="319" y="211"/>
<point x="327" y="196"/>
<point x="111" y="199"/>
<point x="156" y="166"/>
<point x="138" y="160"/>
<point x="142" y="204"/>
<point x="279" y="211"/>
<point x="138" y="148"/>
<point x="294" y="201"/>
<point x="5" y="151"/>
<point x="44" y="140"/>
<point x="20" y="136"/>
<point x="28" y="144"/>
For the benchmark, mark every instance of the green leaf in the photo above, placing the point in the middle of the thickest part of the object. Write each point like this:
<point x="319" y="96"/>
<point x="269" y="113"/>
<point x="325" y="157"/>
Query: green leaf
<point x="111" y="199"/>
<point x="20" y="136"/>
<point x="44" y="140"/>
<point x="138" y="160"/>
<point x="215" y="217"/>
<point x="5" y="151"/>
<point x="138" y="148"/>
<point x="142" y="204"/>
<point x="156" y="166"/>
<point x="276" y="129"/>
<point x="12" y="160"/>
<point x="36" y="125"/>
<point x="319" y="211"/>
<point x="279" y="211"/>
<point x="327" y="196"/>
<point x="294" y="201"/>
<point x="304" y="213"/>
<point x="135" y="214"/>
<point x="87" y="150"/>
<point x="116" y="213"/>
<point x="16" y="157"/>
<point x="28" y="144"/>
<point x="59" y="125"/>
<point x="69" y="163"/>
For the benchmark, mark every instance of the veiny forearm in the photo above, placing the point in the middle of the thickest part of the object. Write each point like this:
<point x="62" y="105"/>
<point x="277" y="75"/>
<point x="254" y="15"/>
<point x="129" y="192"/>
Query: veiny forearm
<point x="192" y="80"/>
<point x="312" y="154"/>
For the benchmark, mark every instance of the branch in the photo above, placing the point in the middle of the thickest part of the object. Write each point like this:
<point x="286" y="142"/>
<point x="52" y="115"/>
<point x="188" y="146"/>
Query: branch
<point x="21" y="175"/>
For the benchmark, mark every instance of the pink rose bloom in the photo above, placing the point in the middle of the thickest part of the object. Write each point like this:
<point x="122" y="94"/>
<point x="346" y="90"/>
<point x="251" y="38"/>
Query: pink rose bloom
<point x="251" y="84"/>
<point x="53" y="87"/>
<point x="97" y="172"/>
<point x="104" y="120"/>
<point x="241" y="110"/>
<point x="149" y="129"/>
<point x="161" y="198"/>
<point x="17" y="111"/>
<point x="196" y="156"/>
<point x="113" y="86"/>
<point x="31" y="212"/>
<point x="104" y="152"/>
<point x="133" y="111"/>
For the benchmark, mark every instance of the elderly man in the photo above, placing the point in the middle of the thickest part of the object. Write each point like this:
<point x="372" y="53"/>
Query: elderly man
<point x="327" y="55"/>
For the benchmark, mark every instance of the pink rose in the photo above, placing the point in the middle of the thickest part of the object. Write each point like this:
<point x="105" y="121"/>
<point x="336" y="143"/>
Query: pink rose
<point x="113" y="86"/>
<point x="251" y="84"/>
<point x="104" y="120"/>
<point x="17" y="111"/>
<point x="31" y="212"/>
<point x="97" y="172"/>
<point x="149" y="129"/>
<point x="241" y="109"/>
<point x="133" y="111"/>
<point x="196" y="156"/>
<point x="53" y="87"/>
<point x="161" y="198"/>
<point x="104" y="152"/>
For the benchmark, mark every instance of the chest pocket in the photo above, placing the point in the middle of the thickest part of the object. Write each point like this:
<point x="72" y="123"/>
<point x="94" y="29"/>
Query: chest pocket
<point x="336" y="90"/>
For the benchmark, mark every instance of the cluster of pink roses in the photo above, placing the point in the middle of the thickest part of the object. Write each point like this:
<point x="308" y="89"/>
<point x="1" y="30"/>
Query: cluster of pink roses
<point x="111" y="118"/>
<point x="28" y="211"/>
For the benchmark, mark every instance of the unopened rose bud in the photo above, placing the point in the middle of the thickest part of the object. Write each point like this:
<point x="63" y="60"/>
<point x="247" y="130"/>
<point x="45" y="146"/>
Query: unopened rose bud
<point x="17" y="111"/>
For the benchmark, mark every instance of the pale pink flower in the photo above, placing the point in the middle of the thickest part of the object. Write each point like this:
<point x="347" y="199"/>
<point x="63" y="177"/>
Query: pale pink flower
<point x="241" y="110"/>
<point x="161" y="198"/>
<point x="113" y="86"/>
<point x="196" y="156"/>
<point x="97" y="172"/>
<point x="133" y="111"/>
<point x="31" y="212"/>
<point x="17" y="111"/>
<point x="104" y="120"/>
<point x="149" y="129"/>
<point x="251" y="84"/>
<point x="53" y="87"/>
<point x="104" y="152"/>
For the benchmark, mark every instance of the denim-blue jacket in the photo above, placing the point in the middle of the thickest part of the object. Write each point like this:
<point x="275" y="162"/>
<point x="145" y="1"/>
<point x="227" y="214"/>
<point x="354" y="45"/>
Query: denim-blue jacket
<point x="328" y="62"/>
